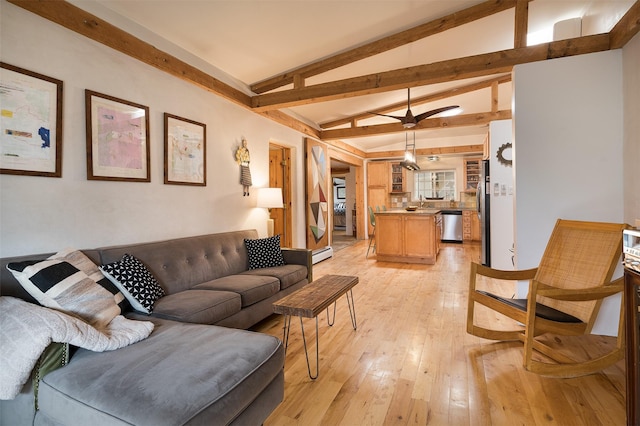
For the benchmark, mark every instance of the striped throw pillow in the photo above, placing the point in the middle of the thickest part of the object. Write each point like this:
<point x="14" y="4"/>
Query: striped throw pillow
<point x="59" y="285"/>
<point x="86" y="265"/>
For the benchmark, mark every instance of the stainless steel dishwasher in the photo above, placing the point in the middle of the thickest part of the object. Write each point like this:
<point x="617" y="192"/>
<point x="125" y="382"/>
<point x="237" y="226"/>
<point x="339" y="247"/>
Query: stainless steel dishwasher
<point x="451" y="226"/>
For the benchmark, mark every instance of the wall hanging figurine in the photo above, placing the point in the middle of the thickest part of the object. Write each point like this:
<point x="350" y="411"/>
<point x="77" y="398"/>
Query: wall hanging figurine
<point x="243" y="159"/>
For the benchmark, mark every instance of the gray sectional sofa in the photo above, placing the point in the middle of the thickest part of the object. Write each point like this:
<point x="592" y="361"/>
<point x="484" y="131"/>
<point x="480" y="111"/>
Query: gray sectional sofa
<point x="197" y="366"/>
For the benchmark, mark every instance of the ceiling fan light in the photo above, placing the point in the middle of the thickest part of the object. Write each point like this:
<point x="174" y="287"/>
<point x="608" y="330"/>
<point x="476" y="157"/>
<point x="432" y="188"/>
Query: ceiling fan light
<point x="408" y="125"/>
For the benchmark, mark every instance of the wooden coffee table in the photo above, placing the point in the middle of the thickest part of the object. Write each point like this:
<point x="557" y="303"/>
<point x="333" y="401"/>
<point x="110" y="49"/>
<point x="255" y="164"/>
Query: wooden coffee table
<point x="312" y="299"/>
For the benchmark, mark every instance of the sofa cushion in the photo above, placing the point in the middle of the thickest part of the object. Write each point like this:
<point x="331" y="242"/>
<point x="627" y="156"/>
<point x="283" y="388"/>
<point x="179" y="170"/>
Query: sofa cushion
<point x="251" y="289"/>
<point x="135" y="281"/>
<point x="181" y="374"/>
<point x="264" y="252"/>
<point x="287" y="274"/>
<point x="59" y="285"/>
<point x="198" y="306"/>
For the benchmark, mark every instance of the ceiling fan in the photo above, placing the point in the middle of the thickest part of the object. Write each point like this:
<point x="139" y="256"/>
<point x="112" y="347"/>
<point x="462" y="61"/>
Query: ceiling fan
<point x="409" y="120"/>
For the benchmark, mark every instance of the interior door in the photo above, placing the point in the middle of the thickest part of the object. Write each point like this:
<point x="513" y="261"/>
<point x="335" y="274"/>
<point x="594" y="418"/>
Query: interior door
<point x="318" y="177"/>
<point x="279" y="165"/>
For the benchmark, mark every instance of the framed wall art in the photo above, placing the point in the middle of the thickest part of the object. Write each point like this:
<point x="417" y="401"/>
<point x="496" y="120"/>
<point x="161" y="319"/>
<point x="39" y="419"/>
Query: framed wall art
<point x="185" y="144"/>
<point x="30" y="123"/>
<point x="318" y="182"/>
<point x="117" y="139"/>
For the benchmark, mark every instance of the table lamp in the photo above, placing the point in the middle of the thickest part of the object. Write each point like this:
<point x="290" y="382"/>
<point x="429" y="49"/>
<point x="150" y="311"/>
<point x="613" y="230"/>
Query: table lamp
<point x="270" y="198"/>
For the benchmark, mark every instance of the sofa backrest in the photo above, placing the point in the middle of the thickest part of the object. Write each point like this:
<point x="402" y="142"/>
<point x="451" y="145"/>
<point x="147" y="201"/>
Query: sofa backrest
<point x="178" y="264"/>
<point x="181" y="263"/>
<point x="9" y="286"/>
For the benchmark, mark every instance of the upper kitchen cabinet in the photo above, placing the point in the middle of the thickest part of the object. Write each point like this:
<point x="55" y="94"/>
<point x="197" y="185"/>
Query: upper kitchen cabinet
<point x="471" y="173"/>
<point x="398" y="178"/>
<point x="378" y="174"/>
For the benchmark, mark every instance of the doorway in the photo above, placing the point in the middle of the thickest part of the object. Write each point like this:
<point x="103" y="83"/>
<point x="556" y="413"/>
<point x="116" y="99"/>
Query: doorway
<point x="280" y="177"/>
<point x="348" y="198"/>
<point x="343" y="231"/>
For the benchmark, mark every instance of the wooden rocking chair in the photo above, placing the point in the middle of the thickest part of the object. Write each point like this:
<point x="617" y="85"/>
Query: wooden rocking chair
<point x="565" y="294"/>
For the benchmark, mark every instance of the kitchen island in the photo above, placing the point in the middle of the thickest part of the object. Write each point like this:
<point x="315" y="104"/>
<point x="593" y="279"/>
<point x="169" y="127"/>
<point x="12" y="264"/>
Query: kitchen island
<point x="408" y="236"/>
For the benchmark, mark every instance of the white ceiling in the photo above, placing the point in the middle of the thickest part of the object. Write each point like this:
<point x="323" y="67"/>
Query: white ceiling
<point x="251" y="40"/>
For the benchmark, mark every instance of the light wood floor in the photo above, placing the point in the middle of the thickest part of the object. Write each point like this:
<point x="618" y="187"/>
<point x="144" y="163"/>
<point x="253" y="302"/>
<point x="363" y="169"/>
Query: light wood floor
<point x="411" y="361"/>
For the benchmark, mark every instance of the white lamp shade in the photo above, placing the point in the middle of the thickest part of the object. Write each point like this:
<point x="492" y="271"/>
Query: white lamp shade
<point x="270" y="198"/>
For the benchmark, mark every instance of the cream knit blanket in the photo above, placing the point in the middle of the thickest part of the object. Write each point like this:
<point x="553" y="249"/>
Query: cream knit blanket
<point x="27" y="329"/>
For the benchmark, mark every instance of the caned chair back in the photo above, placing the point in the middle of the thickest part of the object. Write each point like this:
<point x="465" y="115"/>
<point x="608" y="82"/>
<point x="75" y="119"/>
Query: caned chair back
<point x="580" y="255"/>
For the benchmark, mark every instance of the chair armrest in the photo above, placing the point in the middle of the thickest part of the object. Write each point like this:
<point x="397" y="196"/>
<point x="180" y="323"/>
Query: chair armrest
<point x="299" y="256"/>
<point x="577" y="295"/>
<point x="525" y="274"/>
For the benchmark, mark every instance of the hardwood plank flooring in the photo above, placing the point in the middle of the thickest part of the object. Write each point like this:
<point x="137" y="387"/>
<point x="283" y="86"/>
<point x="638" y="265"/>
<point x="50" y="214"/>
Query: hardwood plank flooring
<point x="411" y="362"/>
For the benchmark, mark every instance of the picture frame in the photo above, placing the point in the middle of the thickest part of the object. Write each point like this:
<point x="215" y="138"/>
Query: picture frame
<point x="185" y="149"/>
<point x="341" y="192"/>
<point x="30" y="123"/>
<point x="117" y="139"/>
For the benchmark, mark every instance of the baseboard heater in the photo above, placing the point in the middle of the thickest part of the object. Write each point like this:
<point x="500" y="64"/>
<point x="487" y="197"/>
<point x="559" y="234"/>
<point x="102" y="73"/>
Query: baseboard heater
<point x="321" y="254"/>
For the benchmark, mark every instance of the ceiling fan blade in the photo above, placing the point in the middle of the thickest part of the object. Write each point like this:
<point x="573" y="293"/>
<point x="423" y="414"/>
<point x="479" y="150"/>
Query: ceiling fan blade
<point x="390" y="116"/>
<point x="424" y="115"/>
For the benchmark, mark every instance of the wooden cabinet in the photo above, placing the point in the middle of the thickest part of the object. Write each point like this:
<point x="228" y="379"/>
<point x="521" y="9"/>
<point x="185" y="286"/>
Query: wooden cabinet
<point x="398" y="174"/>
<point x="471" y="173"/>
<point x="407" y="237"/>
<point x="439" y="225"/>
<point x="632" y="329"/>
<point x="475" y="227"/>
<point x="378" y="174"/>
<point x="377" y="197"/>
<point x="378" y="181"/>
<point x="470" y="226"/>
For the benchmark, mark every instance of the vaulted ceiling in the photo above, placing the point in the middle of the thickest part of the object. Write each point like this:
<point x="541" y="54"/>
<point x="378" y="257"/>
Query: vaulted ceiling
<point x="322" y="66"/>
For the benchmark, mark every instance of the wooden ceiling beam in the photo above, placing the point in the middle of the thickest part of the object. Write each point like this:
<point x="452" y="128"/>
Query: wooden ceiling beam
<point x="464" y="120"/>
<point x="438" y="72"/>
<point x="90" y="26"/>
<point x="521" y="24"/>
<point x="458" y="150"/>
<point x="436" y="26"/>
<point x="444" y="94"/>
<point x="627" y="27"/>
<point x="94" y="28"/>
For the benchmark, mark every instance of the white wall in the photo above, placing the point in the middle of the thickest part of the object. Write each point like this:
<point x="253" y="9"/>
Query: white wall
<point x="46" y="214"/>
<point x="501" y="207"/>
<point x="631" y="90"/>
<point x="568" y="152"/>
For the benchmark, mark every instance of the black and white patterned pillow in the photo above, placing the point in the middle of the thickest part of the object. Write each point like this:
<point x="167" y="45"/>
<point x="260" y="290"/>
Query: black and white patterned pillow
<point x="58" y="284"/>
<point x="264" y="252"/>
<point x="135" y="281"/>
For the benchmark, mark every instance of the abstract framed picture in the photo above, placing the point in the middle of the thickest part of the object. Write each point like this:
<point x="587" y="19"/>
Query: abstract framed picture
<point x="30" y="123"/>
<point x="185" y="148"/>
<point x="318" y="182"/>
<point x="117" y="139"/>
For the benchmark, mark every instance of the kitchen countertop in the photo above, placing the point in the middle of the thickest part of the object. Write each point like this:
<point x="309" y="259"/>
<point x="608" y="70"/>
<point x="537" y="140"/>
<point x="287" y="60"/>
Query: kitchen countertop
<point x="416" y="212"/>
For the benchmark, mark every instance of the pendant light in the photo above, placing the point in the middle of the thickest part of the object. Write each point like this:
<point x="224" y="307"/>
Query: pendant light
<point x="409" y="162"/>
